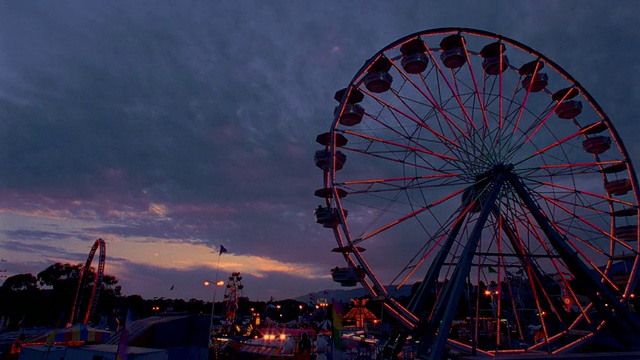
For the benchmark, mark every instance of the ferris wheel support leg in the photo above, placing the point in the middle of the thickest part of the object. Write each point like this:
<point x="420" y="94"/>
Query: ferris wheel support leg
<point x="435" y="337"/>
<point x="624" y="324"/>
<point x="417" y="304"/>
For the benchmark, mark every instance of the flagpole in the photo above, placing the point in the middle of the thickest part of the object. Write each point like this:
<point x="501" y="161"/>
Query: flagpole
<point x="213" y="304"/>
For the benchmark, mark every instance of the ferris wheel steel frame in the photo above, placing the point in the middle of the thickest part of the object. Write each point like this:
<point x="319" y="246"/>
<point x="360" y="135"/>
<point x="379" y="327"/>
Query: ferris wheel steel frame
<point x="547" y="216"/>
<point x="232" y="294"/>
<point x="100" y="245"/>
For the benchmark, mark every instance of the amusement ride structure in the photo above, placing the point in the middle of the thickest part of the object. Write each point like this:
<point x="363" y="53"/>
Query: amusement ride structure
<point x="475" y="166"/>
<point x="83" y="279"/>
<point x="232" y="293"/>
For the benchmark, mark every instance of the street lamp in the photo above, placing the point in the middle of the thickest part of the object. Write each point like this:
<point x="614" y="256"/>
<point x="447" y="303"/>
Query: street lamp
<point x="213" y="305"/>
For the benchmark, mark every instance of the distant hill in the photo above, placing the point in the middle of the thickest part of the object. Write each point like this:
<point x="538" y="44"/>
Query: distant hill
<point x="341" y="295"/>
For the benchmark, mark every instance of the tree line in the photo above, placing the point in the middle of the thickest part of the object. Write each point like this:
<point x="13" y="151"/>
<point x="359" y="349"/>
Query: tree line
<point x="46" y="299"/>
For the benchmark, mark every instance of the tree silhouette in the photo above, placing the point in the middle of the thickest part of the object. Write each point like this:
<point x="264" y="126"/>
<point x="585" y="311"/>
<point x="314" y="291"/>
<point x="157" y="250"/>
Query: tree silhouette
<point x="20" y="282"/>
<point x="21" y="300"/>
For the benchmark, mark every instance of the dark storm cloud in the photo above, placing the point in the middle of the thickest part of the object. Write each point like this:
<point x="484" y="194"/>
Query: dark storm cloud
<point x="207" y="111"/>
<point x="117" y="101"/>
<point x="39" y="235"/>
<point x="41" y="249"/>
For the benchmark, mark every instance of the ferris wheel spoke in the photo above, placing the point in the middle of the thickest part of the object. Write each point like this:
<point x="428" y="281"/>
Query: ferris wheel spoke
<point x="548" y="250"/>
<point x="414" y="264"/>
<point x="568" y="235"/>
<point x="528" y="262"/>
<point x="406" y="217"/>
<point x="410" y="179"/>
<point x="512" y="118"/>
<point x="544" y="303"/>
<point x="542" y="123"/>
<point x="526" y="97"/>
<point x="475" y="83"/>
<point x="588" y="223"/>
<point x="382" y="156"/>
<point x="402" y="146"/>
<point x="559" y="269"/>
<point x="528" y="134"/>
<point x="587" y="193"/>
<point x="451" y="124"/>
<point x="500" y="95"/>
<point x="410" y="140"/>
<point x="524" y="252"/>
<point x="453" y="91"/>
<point x="567" y="169"/>
<point x="428" y="95"/>
<point x="411" y="118"/>
<point x="394" y="185"/>
<point x="560" y="142"/>
<point x="499" y="117"/>
<point x="537" y="122"/>
<point x="394" y="189"/>
<point x="602" y="273"/>
<point x="571" y="199"/>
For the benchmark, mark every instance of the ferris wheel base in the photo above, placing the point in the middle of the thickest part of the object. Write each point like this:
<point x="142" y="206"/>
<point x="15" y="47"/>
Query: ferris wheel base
<point x="604" y="342"/>
<point x="590" y="356"/>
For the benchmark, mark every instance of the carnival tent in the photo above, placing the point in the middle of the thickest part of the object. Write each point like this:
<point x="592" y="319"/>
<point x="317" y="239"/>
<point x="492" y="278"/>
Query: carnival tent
<point x="77" y="333"/>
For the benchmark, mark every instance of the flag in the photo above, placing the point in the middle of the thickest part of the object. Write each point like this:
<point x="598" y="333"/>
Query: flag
<point x="222" y="250"/>
<point x="492" y="270"/>
<point x="123" y="344"/>
<point x="336" y="324"/>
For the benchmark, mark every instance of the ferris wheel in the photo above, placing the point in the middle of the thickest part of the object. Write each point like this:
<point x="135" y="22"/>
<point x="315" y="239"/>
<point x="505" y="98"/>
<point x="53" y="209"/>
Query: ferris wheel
<point x="476" y="166"/>
<point x="232" y="293"/>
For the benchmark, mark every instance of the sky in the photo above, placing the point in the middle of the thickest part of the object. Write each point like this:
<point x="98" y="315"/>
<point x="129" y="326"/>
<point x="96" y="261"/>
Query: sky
<point x="171" y="128"/>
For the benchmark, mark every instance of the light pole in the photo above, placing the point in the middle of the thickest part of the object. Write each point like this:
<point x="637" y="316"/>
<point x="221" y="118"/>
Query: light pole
<point x="216" y="283"/>
<point x="213" y="305"/>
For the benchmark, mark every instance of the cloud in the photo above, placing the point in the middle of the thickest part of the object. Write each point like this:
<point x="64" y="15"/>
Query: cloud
<point x="173" y="128"/>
